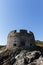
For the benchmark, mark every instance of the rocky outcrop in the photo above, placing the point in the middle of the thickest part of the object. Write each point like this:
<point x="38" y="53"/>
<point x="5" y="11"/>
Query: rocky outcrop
<point x="21" y="57"/>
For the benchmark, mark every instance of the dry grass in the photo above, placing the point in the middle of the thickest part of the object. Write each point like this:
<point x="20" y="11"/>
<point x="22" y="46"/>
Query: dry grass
<point x="39" y="43"/>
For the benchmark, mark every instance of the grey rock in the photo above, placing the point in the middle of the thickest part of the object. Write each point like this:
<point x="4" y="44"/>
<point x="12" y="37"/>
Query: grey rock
<point x="21" y="57"/>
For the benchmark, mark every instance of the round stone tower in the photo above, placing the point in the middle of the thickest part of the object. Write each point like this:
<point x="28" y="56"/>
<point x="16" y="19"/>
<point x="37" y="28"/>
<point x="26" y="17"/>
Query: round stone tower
<point x="20" y="39"/>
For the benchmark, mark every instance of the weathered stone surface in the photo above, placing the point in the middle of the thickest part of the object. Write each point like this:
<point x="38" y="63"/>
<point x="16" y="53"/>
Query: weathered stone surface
<point x="20" y="39"/>
<point x="21" y="57"/>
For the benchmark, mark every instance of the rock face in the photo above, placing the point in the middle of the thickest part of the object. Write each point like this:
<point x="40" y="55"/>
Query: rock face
<point x="20" y="56"/>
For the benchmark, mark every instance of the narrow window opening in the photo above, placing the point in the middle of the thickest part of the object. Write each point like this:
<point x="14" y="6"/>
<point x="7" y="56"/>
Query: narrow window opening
<point x="14" y="44"/>
<point x="30" y="44"/>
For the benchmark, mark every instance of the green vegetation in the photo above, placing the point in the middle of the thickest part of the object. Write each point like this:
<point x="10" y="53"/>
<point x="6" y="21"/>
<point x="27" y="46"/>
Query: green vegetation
<point x="39" y="43"/>
<point x="1" y="46"/>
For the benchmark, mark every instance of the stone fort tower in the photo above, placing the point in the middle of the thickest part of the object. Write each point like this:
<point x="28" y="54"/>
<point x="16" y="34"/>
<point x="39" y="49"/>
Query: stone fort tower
<point x="20" y="39"/>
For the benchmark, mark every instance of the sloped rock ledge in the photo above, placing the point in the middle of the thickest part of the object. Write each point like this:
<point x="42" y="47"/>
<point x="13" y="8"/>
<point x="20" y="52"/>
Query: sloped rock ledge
<point x="21" y="57"/>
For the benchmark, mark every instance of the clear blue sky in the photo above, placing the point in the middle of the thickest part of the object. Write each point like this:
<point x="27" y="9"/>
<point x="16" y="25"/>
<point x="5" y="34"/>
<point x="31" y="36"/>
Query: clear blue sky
<point x="21" y="14"/>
